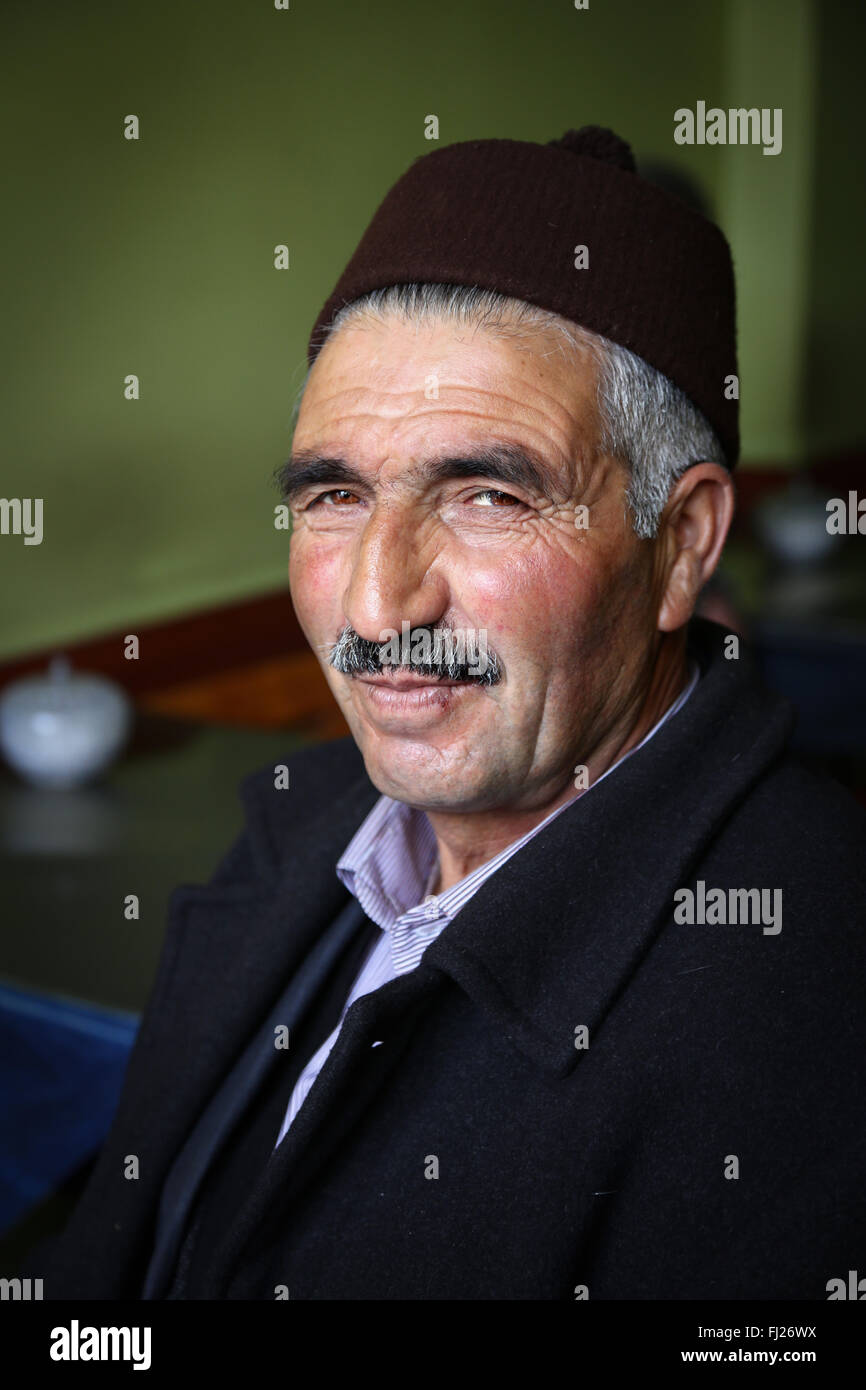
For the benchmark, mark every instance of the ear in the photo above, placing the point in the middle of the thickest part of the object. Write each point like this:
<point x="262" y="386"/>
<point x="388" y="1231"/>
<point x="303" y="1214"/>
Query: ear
<point x="692" y="532"/>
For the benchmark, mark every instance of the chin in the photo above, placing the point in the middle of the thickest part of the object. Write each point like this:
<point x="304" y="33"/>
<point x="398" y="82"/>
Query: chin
<point x="420" y="775"/>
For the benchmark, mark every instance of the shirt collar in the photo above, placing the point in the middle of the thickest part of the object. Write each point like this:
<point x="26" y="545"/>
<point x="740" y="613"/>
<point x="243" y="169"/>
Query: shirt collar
<point x="389" y="861"/>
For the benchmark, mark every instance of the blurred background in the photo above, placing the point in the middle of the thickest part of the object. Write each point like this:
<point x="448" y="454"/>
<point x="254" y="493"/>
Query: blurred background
<point x="154" y="257"/>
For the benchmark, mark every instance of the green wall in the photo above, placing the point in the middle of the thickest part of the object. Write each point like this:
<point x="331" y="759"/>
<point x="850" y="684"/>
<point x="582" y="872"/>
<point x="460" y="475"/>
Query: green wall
<point x="261" y="126"/>
<point x="832" y="386"/>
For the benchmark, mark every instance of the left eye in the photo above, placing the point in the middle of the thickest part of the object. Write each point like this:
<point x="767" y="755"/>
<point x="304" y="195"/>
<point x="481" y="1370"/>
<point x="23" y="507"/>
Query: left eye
<point x="491" y="497"/>
<point x="338" y="496"/>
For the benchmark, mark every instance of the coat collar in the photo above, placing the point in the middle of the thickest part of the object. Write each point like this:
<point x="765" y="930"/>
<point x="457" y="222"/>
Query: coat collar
<point x="561" y="928"/>
<point x="554" y="934"/>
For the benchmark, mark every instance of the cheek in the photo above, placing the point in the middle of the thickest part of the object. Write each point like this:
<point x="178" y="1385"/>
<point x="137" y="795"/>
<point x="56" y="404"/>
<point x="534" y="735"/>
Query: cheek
<point x="315" y="580"/>
<point x="533" y="603"/>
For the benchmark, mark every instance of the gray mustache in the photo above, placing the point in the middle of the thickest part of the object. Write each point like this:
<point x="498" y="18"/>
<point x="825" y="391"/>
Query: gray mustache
<point x="451" y="656"/>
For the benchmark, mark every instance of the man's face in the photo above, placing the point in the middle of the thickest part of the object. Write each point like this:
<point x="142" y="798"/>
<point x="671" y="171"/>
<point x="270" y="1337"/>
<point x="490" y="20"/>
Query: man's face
<point x="567" y="597"/>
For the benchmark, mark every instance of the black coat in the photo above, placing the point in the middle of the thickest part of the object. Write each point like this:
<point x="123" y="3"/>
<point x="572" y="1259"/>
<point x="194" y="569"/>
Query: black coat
<point x="560" y="1167"/>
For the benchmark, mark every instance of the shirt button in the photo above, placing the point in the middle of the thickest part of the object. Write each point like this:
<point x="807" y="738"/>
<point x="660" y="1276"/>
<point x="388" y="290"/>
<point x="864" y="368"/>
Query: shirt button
<point x="431" y="907"/>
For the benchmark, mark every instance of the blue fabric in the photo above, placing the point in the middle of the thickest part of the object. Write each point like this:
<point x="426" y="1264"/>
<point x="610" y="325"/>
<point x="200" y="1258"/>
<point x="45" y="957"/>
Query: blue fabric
<point x="61" y="1071"/>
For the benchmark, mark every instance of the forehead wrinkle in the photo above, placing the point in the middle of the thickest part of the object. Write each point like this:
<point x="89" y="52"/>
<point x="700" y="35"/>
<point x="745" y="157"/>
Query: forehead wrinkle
<point x="440" y="407"/>
<point x="549" y="406"/>
<point x="580" y="371"/>
<point x="359" y="392"/>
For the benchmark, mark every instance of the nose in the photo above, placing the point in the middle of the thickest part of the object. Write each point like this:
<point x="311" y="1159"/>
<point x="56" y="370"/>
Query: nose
<point x="391" y="580"/>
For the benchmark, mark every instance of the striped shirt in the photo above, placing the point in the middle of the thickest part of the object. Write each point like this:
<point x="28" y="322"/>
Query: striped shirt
<point x="389" y="866"/>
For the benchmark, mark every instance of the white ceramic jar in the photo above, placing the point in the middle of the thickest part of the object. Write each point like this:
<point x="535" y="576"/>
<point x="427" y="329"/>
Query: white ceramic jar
<point x="64" y="728"/>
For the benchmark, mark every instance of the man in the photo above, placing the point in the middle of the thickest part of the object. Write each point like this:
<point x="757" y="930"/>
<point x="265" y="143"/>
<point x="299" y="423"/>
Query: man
<point x="546" y="983"/>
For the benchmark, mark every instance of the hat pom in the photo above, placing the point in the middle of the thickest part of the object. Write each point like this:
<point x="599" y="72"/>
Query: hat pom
<point x="598" y="142"/>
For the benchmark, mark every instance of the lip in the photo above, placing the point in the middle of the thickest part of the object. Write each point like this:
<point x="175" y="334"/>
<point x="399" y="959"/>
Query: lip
<point x="409" y="682"/>
<point x="418" y="699"/>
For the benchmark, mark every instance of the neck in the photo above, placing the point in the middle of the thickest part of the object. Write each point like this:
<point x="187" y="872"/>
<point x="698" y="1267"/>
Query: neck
<point x="467" y="840"/>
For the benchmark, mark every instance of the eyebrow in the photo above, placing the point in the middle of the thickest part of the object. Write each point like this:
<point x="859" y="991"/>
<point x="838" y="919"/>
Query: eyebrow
<point x="503" y="463"/>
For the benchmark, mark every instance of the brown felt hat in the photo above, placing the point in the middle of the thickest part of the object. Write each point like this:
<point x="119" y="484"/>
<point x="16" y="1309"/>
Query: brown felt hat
<point x="509" y="215"/>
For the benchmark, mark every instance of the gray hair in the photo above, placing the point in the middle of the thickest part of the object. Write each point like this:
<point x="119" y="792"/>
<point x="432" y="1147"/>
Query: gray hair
<point x="646" y="421"/>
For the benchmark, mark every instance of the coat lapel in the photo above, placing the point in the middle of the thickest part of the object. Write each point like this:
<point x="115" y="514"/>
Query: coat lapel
<point x="236" y="947"/>
<point x="342" y="1092"/>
